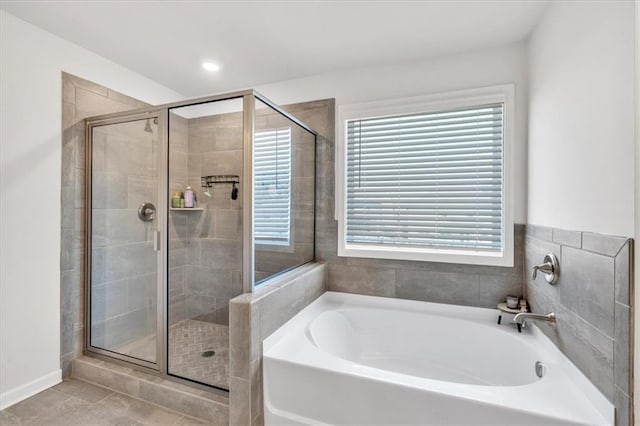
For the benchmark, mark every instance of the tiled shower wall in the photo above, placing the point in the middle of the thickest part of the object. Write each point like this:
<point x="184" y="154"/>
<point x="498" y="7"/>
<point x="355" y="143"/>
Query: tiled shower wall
<point x="471" y="285"/>
<point x="80" y="99"/>
<point x="213" y="271"/>
<point x="205" y="247"/>
<point x="177" y="221"/>
<point x="593" y="303"/>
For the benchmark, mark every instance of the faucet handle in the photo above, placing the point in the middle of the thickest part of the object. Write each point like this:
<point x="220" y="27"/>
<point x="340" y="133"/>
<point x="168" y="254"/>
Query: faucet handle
<point x="550" y="267"/>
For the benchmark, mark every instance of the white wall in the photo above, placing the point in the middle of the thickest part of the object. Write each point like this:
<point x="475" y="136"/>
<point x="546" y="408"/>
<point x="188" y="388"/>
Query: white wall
<point x="31" y="62"/>
<point x="480" y="68"/>
<point x="581" y="120"/>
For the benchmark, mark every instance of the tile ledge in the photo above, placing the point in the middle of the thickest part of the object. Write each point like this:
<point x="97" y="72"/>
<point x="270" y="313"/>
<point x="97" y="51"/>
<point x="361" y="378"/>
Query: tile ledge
<point x="275" y="283"/>
<point x="142" y="376"/>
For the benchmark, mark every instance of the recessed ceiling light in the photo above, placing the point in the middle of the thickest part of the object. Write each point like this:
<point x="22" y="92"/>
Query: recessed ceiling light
<point x="210" y="66"/>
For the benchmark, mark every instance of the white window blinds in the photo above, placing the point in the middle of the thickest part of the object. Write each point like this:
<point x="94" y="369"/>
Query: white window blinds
<point x="429" y="179"/>
<point x="272" y="191"/>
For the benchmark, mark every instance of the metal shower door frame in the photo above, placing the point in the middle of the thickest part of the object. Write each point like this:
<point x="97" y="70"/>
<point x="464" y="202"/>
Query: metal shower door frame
<point x="159" y="231"/>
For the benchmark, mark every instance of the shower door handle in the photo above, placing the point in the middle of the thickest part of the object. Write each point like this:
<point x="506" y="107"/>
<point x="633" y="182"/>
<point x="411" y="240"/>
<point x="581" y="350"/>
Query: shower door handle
<point x="156" y="240"/>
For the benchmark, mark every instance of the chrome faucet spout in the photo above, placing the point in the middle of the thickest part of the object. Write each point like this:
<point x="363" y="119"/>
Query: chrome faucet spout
<point x="521" y="318"/>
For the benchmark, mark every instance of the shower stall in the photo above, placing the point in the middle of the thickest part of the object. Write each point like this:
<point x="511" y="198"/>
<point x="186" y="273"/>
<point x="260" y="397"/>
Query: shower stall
<point x="189" y="205"/>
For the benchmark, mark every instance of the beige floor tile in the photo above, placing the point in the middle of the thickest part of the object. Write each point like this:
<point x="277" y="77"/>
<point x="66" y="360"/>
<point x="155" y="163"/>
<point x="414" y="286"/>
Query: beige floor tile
<point x="83" y="390"/>
<point x="7" y="419"/>
<point x="70" y="412"/>
<point x="123" y="407"/>
<point x="39" y="404"/>
<point x="93" y="406"/>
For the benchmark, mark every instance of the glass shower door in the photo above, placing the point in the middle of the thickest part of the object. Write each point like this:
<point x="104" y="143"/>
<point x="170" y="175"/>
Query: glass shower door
<point x="125" y="260"/>
<point x="205" y="243"/>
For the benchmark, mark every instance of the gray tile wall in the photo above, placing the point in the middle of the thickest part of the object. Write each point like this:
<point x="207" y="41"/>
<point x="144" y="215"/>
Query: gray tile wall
<point x="252" y="318"/>
<point x="206" y="256"/>
<point x="178" y="166"/>
<point x="80" y="99"/>
<point x="592" y="300"/>
<point x="471" y="285"/>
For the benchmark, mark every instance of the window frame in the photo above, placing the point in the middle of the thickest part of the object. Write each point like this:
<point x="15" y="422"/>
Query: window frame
<point x="504" y="94"/>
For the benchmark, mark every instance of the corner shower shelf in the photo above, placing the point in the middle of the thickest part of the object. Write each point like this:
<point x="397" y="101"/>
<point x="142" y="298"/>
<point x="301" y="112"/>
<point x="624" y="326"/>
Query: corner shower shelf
<point x="187" y="209"/>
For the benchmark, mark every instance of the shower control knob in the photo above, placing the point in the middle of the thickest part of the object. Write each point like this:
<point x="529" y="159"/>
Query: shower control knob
<point x="147" y="212"/>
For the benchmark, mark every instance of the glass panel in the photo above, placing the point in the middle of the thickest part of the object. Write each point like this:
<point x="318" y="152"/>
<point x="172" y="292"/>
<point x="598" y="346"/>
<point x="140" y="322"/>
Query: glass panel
<point x="124" y="264"/>
<point x="284" y="193"/>
<point x="205" y="241"/>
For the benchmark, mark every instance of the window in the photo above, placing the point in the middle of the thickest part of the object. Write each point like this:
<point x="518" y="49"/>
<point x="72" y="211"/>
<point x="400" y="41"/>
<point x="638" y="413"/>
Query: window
<point x="272" y="194"/>
<point x="427" y="179"/>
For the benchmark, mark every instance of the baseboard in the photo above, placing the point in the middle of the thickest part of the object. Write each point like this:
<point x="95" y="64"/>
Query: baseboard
<point x="13" y="396"/>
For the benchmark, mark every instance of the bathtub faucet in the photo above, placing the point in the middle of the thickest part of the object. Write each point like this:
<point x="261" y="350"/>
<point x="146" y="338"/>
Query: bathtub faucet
<point x="523" y="316"/>
<point x="550" y="267"/>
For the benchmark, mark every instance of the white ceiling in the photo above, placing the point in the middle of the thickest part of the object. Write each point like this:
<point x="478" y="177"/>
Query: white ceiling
<point x="259" y="42"/>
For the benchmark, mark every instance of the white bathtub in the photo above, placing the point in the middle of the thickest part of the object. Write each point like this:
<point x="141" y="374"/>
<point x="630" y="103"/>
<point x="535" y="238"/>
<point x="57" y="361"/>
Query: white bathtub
<point x="362" y="360"/>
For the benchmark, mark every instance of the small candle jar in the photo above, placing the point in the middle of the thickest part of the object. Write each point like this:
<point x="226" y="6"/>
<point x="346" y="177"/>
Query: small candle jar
<point x="512" y="302"/>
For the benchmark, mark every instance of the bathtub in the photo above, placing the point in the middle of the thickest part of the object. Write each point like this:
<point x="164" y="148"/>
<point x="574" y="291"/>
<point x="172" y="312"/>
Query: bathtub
<point x="361" y="360"/>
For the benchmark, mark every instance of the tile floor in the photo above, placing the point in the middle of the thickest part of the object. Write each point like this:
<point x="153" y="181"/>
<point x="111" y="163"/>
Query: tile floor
<point x="77" y="403"/>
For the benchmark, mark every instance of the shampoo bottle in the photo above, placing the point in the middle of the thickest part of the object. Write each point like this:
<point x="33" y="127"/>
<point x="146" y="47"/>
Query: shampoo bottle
<point x="188" y="198"/>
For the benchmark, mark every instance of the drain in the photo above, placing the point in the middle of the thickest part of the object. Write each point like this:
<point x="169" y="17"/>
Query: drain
<point x="208" y="353"/>
<point x="540" y="369"/>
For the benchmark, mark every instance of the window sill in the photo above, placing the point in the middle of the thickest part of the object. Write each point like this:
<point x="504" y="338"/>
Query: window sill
<point x="468" y="257"/>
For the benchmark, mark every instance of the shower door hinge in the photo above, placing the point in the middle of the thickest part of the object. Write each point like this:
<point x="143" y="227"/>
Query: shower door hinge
<point x="156" y="240"/>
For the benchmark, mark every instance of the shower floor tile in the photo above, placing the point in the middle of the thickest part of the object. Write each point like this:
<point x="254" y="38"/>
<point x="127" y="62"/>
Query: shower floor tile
<point x="188" y="341"/>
